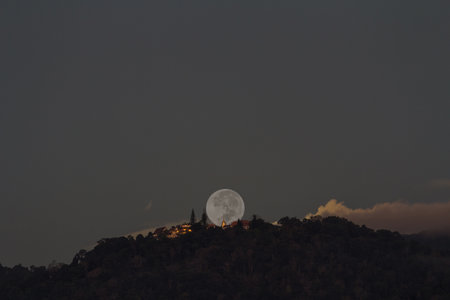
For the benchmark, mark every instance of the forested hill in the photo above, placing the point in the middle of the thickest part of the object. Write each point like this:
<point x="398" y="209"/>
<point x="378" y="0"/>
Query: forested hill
<point x="329" y="258"/>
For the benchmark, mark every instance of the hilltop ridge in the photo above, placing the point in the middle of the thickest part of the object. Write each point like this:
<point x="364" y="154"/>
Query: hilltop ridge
<point x="314" y="259"/>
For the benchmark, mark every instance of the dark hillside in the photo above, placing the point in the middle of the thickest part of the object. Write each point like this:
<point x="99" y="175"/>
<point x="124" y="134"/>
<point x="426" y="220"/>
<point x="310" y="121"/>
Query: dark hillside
<point x="313" y="259"/>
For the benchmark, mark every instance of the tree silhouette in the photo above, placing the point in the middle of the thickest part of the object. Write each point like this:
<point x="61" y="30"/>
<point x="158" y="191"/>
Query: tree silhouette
<point x="239" y="224"/>
<point x="204" y="219"/>
<point x="193" y="220"/>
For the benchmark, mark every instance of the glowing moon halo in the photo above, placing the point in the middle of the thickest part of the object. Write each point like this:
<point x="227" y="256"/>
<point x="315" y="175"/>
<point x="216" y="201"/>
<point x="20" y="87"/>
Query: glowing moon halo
<point x="225" y="205"/>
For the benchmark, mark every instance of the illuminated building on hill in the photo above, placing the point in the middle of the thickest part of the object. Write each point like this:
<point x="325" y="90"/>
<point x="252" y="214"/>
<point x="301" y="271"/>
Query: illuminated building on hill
<point x="179" y="230"/>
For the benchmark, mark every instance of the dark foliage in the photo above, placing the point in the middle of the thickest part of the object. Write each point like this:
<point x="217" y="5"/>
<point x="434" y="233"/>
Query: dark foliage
<point x="204" y="219"/>
<point x="329" y="258"/>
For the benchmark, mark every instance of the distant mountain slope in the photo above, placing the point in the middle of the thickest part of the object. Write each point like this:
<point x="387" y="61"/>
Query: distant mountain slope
<point x="329" y="258"/>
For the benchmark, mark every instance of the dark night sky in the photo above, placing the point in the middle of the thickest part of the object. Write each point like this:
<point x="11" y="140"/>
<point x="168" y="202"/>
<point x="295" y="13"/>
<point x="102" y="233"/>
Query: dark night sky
<point x="108" y="105"/>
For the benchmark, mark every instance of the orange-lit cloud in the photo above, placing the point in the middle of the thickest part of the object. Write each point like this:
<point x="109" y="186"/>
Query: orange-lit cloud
<point x="439" y="183"/>
<point x="398" y="216"/>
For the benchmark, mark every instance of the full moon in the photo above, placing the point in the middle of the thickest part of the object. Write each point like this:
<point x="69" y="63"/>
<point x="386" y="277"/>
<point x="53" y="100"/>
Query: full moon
<point x="225" y="205"/>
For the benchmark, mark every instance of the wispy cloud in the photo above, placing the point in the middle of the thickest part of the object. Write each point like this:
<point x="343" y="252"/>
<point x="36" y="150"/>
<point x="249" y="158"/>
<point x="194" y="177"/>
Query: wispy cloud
<point x="397" y="216"/>
<point x="439" y="183"/>
<point x="145" y="231"/>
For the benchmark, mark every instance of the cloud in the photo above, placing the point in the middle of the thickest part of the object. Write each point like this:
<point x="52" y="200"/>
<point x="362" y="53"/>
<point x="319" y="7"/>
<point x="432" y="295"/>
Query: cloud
<point x="145" y="231"/>
<point x="398" y="216"/>
<point x="439" y="183"/>
<point x="134" y="234"/>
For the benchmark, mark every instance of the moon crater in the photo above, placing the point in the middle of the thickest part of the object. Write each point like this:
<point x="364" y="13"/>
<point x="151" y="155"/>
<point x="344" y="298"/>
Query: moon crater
<point x="225" y="205"/>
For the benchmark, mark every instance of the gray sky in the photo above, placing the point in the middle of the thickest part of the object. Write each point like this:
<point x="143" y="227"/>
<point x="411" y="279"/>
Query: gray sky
<point x="108" y="105"/>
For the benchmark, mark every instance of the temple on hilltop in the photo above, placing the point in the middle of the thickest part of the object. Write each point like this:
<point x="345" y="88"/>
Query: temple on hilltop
<point x="224" y="224"/>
